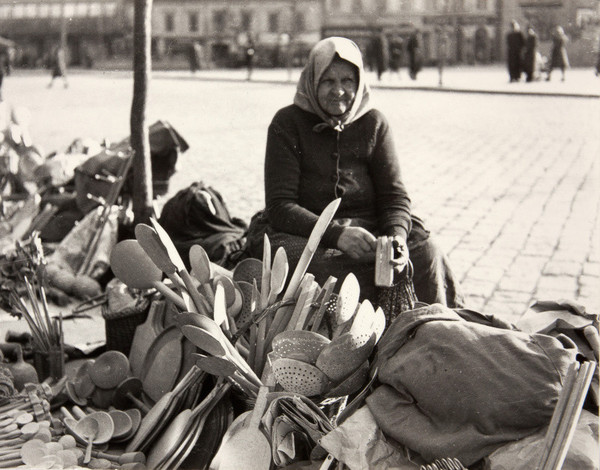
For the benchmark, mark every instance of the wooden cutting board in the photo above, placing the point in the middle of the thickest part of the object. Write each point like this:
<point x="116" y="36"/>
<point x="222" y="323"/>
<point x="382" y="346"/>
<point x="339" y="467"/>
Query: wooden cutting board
<point x="144" y="336"/>
<point x="163" y="363"/>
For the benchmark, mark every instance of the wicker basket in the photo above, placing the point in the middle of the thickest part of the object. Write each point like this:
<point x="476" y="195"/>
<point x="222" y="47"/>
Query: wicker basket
<point x="121" y="325"/>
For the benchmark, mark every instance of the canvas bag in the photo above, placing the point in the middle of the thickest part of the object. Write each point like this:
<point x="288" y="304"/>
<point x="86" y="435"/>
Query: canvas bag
<point x="198" y="215"/>
<point x="456" y="383"/>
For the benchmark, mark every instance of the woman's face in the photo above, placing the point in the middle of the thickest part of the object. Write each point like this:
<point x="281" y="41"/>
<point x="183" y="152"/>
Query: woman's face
<point x="337" y="87"/>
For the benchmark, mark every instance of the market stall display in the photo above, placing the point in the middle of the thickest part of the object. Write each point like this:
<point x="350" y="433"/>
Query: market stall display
<point x="257" y="367"/>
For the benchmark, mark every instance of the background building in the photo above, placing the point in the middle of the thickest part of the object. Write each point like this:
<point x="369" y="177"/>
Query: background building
<point x="223" y="29"/>
<point x="217" y="32"/>
<point x="92" y="29"/>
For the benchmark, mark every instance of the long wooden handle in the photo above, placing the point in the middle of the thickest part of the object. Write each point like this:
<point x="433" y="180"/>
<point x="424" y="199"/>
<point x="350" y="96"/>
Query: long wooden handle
<point x="559" y="410"/>
<point x="568" y="425"/>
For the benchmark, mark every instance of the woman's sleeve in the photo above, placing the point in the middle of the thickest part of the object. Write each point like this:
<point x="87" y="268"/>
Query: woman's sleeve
<point x="282" y="177"/>
<point x="393" y="203"/>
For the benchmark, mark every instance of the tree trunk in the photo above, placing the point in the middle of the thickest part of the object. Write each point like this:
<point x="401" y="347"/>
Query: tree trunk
<point x="140" y="142"/>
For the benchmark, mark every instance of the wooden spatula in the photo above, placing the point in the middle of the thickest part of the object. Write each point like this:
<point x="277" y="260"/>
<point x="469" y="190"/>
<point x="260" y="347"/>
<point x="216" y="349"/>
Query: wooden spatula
<point x="248" y="448"/>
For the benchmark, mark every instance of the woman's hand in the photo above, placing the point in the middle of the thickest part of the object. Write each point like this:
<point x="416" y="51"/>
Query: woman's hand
<point x="400" y="254"/>
<point x="358" y="243"/>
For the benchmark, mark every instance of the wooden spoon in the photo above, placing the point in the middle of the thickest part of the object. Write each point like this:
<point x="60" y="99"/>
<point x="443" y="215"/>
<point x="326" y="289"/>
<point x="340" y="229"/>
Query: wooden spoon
<point x="149" y="241"/>
<point x="155" y="419"/>
<point x="180" y="426"/>
<point x="249" y="447"/>
<point x="160" y="248"/>
<point x="88" y="428"/>
<point x="222" y="367"/>
<point x="347" y="302"/>
<point x="282" y="315"/>
<point x="175" y="257"/>
<point x="105" y="423"/>
<point x="130" y="263"/>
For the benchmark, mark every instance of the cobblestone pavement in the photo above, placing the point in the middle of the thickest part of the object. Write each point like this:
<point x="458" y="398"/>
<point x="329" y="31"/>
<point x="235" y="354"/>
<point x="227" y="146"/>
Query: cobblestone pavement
<point x="508" y="184"/>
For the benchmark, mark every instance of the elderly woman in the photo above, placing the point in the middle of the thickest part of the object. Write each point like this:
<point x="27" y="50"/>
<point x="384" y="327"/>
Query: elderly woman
<point x="328" y="144"/>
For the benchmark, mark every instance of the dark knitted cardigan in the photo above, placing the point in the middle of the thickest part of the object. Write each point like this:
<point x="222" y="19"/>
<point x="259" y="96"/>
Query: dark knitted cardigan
<point x="306" y="167"/>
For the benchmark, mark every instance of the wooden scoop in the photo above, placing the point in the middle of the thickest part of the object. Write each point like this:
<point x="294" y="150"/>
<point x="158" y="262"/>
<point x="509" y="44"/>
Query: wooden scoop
<point x="130" y="263"/>
<point x="248" y="448"/>
<point x="105" y="423"/>
<point x="88" y="428"/>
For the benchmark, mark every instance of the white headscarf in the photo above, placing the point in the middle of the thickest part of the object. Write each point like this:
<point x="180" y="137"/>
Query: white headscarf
<point x="321" y="56"/>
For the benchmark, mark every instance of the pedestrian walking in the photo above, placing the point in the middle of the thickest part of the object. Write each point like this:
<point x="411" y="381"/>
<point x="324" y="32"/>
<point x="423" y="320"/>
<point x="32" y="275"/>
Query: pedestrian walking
<point x="529" y="56"/>
<point x="598" y="63"/>
<point x="442" y="52"/>
<point x="195" y="56"/>
<point x="381" y="51"/>
<point x="558" y="58"/>
<point x="413" y="48"/>
<point x="59" y="66"/>
<point x="5" y="67"/>
<point x="396" y="54"/>
<point x="515" y="42"/>
<point x="250" y="56"/>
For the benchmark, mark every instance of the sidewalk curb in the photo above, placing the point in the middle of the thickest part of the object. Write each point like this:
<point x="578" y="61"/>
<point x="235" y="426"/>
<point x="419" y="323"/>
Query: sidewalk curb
<point x="263" y="81"/>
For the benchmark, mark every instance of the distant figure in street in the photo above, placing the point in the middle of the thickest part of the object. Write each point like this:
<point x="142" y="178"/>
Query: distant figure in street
<point x="558" y="57"/>
<point x="396" y="54"/>
<point x="442" y="51"/>
<point x="529" y="56"/>
<point x="59" y="66"/>
<point x="413" y="48"/>
<point x="598" y="63"/>
<point x="381" y="53"/>
<point x="195" y="57"/>
<point x="250" y="54"/>
<point x="5" y="67"/>
<point x="515" y="42"/>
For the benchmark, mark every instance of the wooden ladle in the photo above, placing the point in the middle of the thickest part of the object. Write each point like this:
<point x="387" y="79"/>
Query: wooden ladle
<point x="88" y="428"/>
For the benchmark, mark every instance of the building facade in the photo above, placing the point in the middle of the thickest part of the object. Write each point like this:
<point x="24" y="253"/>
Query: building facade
<point x="282" y="31"/>
<point x="223" y="29"/>
<point x="471" y="26"/>
<point x="91" y="29"/>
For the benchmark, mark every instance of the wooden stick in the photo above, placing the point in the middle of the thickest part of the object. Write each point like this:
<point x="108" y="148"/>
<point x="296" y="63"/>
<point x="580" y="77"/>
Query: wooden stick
<point x="557" y="415"/>
<point x="568" y="424"/>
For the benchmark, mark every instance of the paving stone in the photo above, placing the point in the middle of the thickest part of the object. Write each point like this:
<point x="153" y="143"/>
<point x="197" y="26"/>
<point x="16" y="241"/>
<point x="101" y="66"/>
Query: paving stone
<point x="557" y="268"/>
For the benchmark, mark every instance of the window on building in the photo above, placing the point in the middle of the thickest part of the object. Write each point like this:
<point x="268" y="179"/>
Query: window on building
<point x="18" y="11"/>
<point x="299" y="22"/>
<point x="273" y="22"/>
<point x="404" y="5"/>
<point x="110" y="9"/>
<point x="336" y="5"/>
<point x="357" y="6"/>
<point x="56" y="10"/>
<point x="219" y="20"/>
<point x="95" y="9"/>
<point x="30" y="10"/>
<point x="460" y="5"/>
<point x="69" y="10"/>
<point x="246" y="20"/>
<point x="381" y="6"/>
<point x="193" y="22"/>
<point x="169" y="21"/>
<point x="81" y="9"/>
<point x="482" y="4"/>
